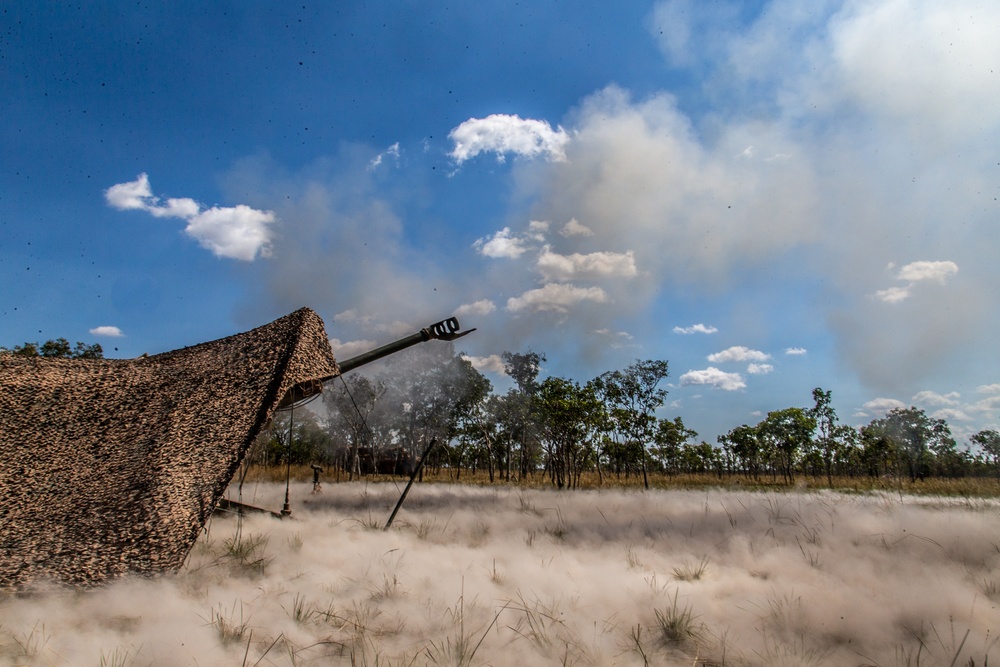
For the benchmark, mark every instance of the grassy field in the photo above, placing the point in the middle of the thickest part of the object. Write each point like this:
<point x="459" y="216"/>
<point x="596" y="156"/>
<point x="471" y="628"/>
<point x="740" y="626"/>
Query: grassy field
<point x="479" y="575"/>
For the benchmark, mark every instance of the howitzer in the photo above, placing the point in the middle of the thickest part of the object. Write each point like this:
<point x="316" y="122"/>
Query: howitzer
<point x="446" y="330"/>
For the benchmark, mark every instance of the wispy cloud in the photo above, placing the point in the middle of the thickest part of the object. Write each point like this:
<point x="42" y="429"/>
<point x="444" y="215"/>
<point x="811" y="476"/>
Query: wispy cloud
<point x="696" y="329"/>
<point x="738" y="353"/>
<point x="795" y="351"/>
<point x="503" y="134"/>
<point x="236" y="232"/>
<point x="390" y="152"/>
<point x="760" y="369"/>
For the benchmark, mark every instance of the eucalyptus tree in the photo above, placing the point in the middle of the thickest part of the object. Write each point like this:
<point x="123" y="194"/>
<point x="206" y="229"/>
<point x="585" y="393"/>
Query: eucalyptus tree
<point x="668" y="439"/>
<point x="988" y="441"/>
<point x="790" y="432"/>
<point x="429" y="389"/>
<point x="567" y="418"/>
<point x="744" y="442"/>
<point x="632" y="396"/>
<point x="351" y="403"/>
<point x="911" y="433"/>
<point x="523" y="368"/>
<point x="58" y="348"/>
<point x="827" y="430"/>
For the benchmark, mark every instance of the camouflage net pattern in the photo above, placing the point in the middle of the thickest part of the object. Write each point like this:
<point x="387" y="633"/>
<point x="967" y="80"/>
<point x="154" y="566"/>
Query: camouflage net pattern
<point x="111" y="467"/>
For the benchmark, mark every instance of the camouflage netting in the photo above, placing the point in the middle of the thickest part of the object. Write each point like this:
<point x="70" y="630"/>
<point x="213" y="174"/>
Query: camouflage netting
<point x="110" y="467"/>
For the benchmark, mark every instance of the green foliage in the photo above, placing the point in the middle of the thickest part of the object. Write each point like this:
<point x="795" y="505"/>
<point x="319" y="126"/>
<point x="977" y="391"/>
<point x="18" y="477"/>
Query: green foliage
<point x="58" y="348"/>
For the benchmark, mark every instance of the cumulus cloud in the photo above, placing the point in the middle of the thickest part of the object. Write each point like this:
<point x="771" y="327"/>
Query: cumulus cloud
<point x="738" y="353"/>
<point x="574" y="228"/>
<point x="503" y="133"/>
<point x="695" y="329"/>
<point x="950" y="415"/>
<point x="881" y="406"/>
<point x="715" y="378"/>
<point x="502" y="244"/>
<point x="923" y="270"/>
<point x="558" y="297"/>
<point x="481" y="307"/>
<point x="237" y="232"/>
<point x="110" y="331"/>
<point x="556" y="267"/>
<point x="759" y="369"/>
<point x="933" y="398"/>
<point x="988" y="389"/>
<point x="795" y="351"/>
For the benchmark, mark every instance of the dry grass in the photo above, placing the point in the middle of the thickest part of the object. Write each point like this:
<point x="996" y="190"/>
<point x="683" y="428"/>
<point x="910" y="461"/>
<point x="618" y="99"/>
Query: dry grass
<point x="973" y="487"/>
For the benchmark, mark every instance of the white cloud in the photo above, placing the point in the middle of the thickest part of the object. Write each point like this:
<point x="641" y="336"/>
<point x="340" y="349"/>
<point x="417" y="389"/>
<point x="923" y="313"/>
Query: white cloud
<point x="491" y="364"/>
<point x="343" y="350"/>
<point x="759" y="369"/>
<point x="986" y="404"/>
<point x="574" y="228"/>
<point x="988" y="389"/>
<point x="111" y="332"/>
<point x="738" y="353"/>
<point x="714" y="377"/>
<point x="503" y="133"/>
<point x="893" y="294"/>
<point x="132" y="195"/>
<point x="537" y="229"/>
<point x="592" y="265"/>
<point x="933" y="398"/>
<point x="916" y="272"/>
<point x="923" y="270"/>
<point x="882" y="405"/>
<point x="950" y="415"/>
<point x="237" y="232"/>
<point x="555" y="297"/>
<point x="503" y="244"/>
<point x="696" y="328"/>
<point x="795" y="351"/>
<point x="481" y="307"/>
<point x="391" y="151"/>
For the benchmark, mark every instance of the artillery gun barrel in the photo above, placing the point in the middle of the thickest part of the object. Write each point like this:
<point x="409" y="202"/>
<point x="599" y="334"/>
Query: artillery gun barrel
<point x="447" y="330"/>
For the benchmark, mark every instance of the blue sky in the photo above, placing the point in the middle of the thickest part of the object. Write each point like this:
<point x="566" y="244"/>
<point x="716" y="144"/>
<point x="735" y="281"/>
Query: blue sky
<point x="772" y="196"/>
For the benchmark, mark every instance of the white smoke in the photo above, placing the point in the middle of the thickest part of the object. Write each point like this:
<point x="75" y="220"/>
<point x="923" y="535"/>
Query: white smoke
<point x="514" y="577"/>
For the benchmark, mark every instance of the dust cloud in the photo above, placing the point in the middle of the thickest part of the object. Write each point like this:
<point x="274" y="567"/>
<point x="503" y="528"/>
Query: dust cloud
<point x="503" y="576"/>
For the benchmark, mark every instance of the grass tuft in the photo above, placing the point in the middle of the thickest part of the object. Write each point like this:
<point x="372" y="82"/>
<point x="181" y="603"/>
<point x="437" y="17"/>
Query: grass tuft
<point x="677" y="624"/>
<point x="689" y="571"/>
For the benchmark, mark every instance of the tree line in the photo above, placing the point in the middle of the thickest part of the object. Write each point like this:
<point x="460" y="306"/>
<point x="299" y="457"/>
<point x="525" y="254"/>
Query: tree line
<point x="380" y="421"/>
<point x="559" y="428"/>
